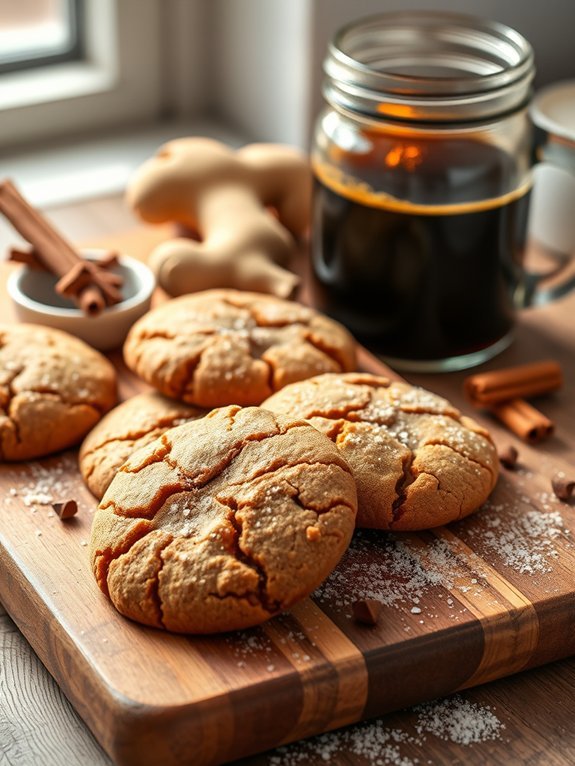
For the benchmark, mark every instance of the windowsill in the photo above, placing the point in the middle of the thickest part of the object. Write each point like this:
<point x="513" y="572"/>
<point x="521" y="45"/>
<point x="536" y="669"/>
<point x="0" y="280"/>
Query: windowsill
<point x="63" y="173"/>
<point x="55" y="83"/>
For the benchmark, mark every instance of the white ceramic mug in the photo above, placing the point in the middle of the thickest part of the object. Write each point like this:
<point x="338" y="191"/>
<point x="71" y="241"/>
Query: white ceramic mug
<point x="551" y="221"/>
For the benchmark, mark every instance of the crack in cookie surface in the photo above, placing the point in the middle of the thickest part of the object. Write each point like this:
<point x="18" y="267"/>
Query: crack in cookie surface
<point x="53" y="389"/>
<point x="407" y="477"/>
<point x="128" y="427"/>
<point x="251" y="561"/>
<point x="394" y="436"/>
<point x="261" y="510"/>
<point x="252" y="345"/>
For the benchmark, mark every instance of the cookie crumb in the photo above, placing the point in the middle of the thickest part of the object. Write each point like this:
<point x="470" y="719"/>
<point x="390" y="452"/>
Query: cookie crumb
<point x="508" y="457"/>
<point x="367" y="611"/>
<point x="66" y="509"/>
<point x="563" y="487"/>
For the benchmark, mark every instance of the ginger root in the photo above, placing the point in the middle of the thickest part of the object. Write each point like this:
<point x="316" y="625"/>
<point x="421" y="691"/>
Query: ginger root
<point x="247" y="209"/>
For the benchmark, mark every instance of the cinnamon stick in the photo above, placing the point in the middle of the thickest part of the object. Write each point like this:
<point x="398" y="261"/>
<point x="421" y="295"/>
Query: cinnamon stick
<point x="86" y="282"/>
<point x="524" y="420"/>
<point x="488" y="388"/>
<point x="26" y="256"/>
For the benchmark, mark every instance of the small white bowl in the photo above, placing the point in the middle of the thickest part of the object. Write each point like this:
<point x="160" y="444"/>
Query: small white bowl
<point x="35" y="300"/>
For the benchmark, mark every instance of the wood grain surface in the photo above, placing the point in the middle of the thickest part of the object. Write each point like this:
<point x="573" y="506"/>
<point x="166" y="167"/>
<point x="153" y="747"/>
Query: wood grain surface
<point x="152" y="698"/>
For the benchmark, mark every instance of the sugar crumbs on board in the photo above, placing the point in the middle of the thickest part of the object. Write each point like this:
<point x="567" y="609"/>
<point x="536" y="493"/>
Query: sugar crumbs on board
<point x="253" y="645"/>
<point x="453" y="719"/>
<point x="523" y="540"/>
<point x="46" y="485"/>
<point x="249" y="644"/>
<point x="392" y="571"/>
<point x="458" y="720"/>
<point x="382" y="569"/>
<point x="401" y="572"/>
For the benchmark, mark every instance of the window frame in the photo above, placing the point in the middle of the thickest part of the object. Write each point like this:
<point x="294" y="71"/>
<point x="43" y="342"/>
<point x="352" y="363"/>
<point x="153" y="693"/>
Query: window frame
<point x="73" y="51"/>
<point x="118" y="81"/>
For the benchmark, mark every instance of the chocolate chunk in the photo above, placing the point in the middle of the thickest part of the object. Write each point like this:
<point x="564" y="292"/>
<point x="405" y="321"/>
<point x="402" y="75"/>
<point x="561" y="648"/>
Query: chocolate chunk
<point x="508" y="457"/>
<point x="563" y="487"/>
<point x="367" y="611"/>
<point x="66" y="509"/>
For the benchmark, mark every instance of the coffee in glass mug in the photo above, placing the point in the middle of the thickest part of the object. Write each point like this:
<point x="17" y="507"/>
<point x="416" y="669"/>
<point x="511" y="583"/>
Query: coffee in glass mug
<point x="422" y="165"/>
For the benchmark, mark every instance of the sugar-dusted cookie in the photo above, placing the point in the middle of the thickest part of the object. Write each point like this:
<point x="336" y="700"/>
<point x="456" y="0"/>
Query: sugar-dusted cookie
<point x="223" y="347"/>
<point x="223" y="522"/>
<point x="417" y="460"/>
<point x="129" y="426"/>
<point x="53" y="389"/>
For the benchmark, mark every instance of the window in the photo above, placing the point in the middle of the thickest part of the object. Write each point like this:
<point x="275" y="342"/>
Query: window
<point x="108" y="75"/>
<point x="39" y="32"/>
<point x="78" y="127"/>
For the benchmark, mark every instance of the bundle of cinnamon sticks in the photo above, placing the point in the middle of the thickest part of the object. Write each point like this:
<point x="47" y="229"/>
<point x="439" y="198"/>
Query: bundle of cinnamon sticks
<point x="504" y="393"/>
<point x="92" y="285"/>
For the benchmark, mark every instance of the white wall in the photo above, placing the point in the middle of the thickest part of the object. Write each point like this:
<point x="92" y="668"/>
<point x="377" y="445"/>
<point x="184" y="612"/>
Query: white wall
<point x="259" y="58"/>
<point x="186" y="30"/>
<point x="255" y="63"/>
<point x="267" y="54"/>
<point x="549" y="25"/>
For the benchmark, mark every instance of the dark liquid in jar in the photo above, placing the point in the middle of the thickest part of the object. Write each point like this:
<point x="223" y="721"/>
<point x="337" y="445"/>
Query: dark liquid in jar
<point x="414" y="281"/>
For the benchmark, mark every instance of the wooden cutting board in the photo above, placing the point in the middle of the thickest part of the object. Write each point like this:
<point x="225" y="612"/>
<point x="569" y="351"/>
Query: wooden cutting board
<point x="486" y="597"/>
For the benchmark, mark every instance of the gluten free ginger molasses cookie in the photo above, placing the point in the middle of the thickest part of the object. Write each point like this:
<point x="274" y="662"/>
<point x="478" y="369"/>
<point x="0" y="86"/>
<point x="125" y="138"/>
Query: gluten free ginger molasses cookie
<point x="223" y="347"/>
<point x="129" y="426"/>
<point x="417" y="460"/>
<point x="53" y="389"/>
<point x="223" y="522"/>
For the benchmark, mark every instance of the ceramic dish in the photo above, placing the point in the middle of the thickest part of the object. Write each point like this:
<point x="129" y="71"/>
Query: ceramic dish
<point x="35" y="300"/>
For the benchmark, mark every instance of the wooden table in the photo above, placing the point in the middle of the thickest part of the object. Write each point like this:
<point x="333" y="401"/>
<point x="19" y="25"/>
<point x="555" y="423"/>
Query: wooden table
<point x="38" y="725"/>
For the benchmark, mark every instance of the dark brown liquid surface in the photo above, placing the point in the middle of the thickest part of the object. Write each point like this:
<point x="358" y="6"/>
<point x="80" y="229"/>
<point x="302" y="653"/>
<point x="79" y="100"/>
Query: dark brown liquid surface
<point x="418" y="282"/>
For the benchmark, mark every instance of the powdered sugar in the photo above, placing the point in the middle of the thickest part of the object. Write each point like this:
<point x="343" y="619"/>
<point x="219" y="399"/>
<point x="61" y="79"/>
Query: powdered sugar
<point x="454" y="719"/>
<point x="523" y="540"/>
<point x="42" y="484"/>
<point x="400" y="572"/>
<point x="374" y="742"/>
<point x="458" y="720"/>
<point x="411" y="573"/>
<point x="254" y="646"/>
<point x="32" y="498"/>
<point x="46" y="485"/>
<point x="250" y="644"/>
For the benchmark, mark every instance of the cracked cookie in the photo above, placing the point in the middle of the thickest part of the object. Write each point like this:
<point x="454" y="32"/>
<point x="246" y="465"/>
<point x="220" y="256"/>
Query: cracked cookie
<point x="129" y="426"/>
<point x="418" y="462"/>
<point x="223" y="522"/>
<point x="53" y="389"/>
<point x="224" y="347"/>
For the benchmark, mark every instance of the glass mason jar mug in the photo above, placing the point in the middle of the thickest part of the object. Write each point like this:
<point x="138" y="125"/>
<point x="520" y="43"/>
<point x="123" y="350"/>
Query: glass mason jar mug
<point x="422" y="165"/>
